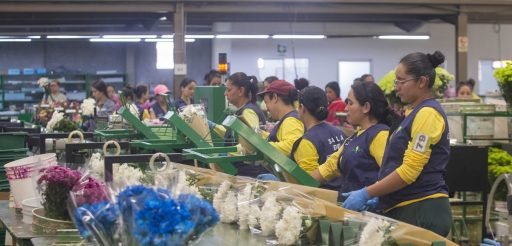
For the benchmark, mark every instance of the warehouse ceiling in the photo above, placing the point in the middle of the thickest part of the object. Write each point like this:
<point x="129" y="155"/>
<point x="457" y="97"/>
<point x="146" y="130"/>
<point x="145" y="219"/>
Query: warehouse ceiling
<point x="143" y="16"/>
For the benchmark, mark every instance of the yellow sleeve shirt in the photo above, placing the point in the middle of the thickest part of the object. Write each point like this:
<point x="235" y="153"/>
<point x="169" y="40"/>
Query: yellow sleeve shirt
<point x="329" y="169"/>
<point x="427" y="129"/>
<point x="249" y="116"/>
<point x="289" y="131"/>
<point x="306" y="156"/>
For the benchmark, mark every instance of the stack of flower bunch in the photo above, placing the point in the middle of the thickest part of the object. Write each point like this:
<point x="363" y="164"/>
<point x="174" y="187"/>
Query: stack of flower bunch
<point x="144" y="215"/>
<point x="387" y="84"/>
<point x="60" y="123"/>
<point x="195" y="116"/>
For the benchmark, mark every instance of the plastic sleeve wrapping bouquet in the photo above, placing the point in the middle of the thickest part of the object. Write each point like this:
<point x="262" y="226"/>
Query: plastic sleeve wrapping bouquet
<point x="289" y="214"/>
<point x="195" y="117"/>
<point x="167" y="212"/>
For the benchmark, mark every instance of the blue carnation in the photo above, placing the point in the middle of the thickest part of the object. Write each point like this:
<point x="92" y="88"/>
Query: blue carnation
<point x="103" y="216"/>
<point x="202" y="211"/>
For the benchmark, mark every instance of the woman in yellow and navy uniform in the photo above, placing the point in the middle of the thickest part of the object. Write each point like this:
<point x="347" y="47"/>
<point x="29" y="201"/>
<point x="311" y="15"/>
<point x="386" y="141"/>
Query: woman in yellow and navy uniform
<point x="358" y="160"/>
<point x="241" y="91"/>
<point x="411" y="185"/>
<point x="321" y="138"/>
<point x="279" y="98"/>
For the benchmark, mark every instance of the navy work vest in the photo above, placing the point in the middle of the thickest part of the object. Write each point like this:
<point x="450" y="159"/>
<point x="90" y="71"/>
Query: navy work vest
<point x="327" y="139"/>
<point x="356" y="164"/>
<point x="272" y="137"/>
<point x="431" y="180"/>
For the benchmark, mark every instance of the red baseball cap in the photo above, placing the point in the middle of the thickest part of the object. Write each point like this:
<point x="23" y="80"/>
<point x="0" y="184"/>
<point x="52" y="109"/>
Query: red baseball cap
<point x="281" y="87"/>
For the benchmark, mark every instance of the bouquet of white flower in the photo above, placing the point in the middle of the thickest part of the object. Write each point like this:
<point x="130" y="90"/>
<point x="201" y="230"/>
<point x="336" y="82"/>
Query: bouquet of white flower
<point x="88" y="106"/>
<point x="56" y="118"/>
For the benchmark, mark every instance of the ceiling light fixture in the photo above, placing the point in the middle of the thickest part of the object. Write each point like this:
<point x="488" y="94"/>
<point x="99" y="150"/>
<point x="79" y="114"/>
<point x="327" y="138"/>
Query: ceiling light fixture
<point x="301" y="36"/>
<point x="69" y="37"/>
<point x="114" y="40"/>
<point x="199" y="36"/>
<point x="16" y="40"/>
<point x="129" y="36"/>
<point x="237" y="36"/>
<point x="408" y="37"/>
<point x="188" y="40"/>
<point x="34" y="37"/>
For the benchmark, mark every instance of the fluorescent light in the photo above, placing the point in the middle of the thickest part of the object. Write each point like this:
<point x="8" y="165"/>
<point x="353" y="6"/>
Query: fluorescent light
<point x="115" y="39"/>
<point x="158" y="40"/>
<point x="500" y="64"/>
<point x="129" y="36"/>
<point x="199" y="36"/>
<point x="235" y="36"/>
<point x="188" y="40"/>
<point x="69" y="37"/>
<point x="415" y="37"/>
<point x="163" y="18"/>
<point x="34" y="37"/>
<point x="298" y="36"/>
<point x="16" y="40"/>
<point x="168" y="36"/>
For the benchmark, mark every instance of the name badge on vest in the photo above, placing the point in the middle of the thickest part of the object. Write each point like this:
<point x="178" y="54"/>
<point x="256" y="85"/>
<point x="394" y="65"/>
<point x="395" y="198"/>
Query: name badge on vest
<point x="420" y="143"/>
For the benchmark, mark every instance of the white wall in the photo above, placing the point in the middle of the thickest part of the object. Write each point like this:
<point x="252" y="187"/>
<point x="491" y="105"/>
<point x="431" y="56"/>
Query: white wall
<point x="385" y="54"/>
<point x="324" y="54"/>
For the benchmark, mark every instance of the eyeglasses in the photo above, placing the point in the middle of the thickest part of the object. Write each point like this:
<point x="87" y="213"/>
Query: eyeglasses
<point x="402" y="82"/>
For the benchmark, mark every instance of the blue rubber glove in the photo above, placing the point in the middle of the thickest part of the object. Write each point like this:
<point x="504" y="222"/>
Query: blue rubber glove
<point x="267" y="176"/>
<point x="489" y="242"/>
<point x="211" y="124"/>
<point x="356" y="200"/>
<point x="372" y="204"/>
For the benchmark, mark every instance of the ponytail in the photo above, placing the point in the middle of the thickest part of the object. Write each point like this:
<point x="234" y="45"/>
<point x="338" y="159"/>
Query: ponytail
<point x="249" y="83"/>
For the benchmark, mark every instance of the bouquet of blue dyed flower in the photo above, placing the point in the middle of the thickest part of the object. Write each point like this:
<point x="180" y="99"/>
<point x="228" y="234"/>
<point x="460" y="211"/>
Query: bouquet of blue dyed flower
<point x="146" y="216"/>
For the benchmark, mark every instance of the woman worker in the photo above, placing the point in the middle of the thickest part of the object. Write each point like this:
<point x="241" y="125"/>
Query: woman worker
<point x="321" y="139"/>
<point x="279" y="98"/>
<point x="359" y="158"/>
<point x="241" y="91"/>
<point x="411" y="186"/>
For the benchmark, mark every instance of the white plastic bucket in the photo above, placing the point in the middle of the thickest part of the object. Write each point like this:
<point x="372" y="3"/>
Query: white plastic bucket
<point x="21" y="189"/>
<point x="27" y="206"/>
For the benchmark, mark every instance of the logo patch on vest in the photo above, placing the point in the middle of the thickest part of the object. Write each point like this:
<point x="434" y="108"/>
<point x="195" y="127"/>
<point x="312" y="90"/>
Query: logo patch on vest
<point x="420" y="144"/>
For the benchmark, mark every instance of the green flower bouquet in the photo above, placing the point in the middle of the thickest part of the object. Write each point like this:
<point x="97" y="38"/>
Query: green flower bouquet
<point x="387" y="84"/>
<point x="504" y="77"/>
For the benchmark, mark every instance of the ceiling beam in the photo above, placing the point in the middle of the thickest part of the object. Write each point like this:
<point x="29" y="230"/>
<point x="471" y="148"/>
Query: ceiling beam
<point x="317" y="9"/>
<point x="86" y="7"/>
<point x="442" y="2"/>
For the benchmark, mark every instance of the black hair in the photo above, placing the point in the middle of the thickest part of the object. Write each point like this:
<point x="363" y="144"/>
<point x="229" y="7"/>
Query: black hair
<point x="208" y="77"/>
<point x="100" y="86"/>
<point x="368" y="92"/>
<point x="186" y="81"/>
<point x="335" y="86"/>
<point x="357" y="80"/>
<point x="56" y="81"/>
<point x="293" y="95"/>
<point x="249" y="83"/>
<point x="420" y="64"/>
<point x="366" y="75"/>
<point x="140" y="90"/>
<point x="128" y="93"/>
<point x="301" y="83"/>
<point x="470" y="83"/>
<point x="270" y="79"/>
<point x="111" y="86"/>
<point x="315" y="102"/>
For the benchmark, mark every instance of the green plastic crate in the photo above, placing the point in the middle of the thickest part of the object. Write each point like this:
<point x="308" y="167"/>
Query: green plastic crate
<point x="12" y="140"/>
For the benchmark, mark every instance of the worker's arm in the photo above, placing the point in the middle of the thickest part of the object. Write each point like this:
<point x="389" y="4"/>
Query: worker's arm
<point x="289" y="131"/>
<point x="306" y="156"/>
<point x="427" y="129"/>
<point x="378" y="146"/>
<point x="329" y="169"/>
